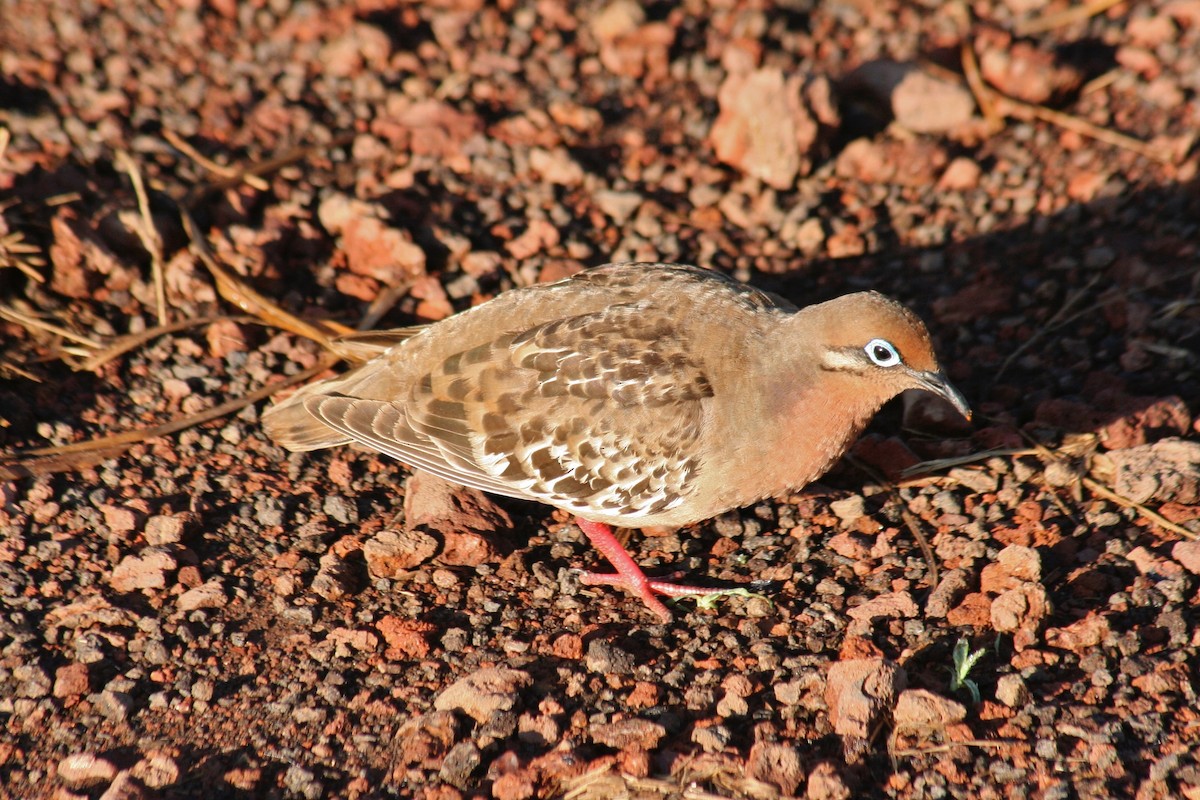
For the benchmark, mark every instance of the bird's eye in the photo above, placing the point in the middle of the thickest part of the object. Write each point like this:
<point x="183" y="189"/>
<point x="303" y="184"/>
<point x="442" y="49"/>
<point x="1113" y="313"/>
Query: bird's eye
<point x="882" y="352"/>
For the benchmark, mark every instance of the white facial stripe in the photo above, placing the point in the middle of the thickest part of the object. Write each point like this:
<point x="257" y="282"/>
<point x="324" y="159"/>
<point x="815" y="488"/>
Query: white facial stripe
<point x="841" y="360"/>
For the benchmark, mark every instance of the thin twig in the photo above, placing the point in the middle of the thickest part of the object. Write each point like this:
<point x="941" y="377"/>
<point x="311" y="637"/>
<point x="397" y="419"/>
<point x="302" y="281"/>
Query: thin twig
<point x="1068" y="17"/>
<point x="915" y="529"/>
<point x="942" y="748"/>
<point x="12" y="315"/>
<point x="148" y="233"/>
<point x="227" y="173"/>
<point x="1095" y="487"/>
<point x="1053" y="324"/>
<point x="1027" y="111"/>
<point x="237" y="292"/>
<point x="124" y="344"/>
<point x="62" y="458"/>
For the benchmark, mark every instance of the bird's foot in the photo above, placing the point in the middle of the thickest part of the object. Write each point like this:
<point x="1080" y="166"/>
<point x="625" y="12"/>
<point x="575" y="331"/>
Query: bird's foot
<point x="629" y="575"/>
<point x="646" y="589"/>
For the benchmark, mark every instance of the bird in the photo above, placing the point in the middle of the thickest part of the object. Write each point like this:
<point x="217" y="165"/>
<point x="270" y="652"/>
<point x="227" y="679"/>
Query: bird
<point x="638" y="395"/>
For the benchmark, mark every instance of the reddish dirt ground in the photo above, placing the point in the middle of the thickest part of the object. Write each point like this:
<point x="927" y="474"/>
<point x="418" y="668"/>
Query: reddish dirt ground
<point x="198" y="612"/>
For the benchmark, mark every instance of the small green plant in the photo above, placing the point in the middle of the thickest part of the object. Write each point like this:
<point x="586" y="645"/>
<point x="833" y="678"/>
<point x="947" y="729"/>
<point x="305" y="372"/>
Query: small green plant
<point x="709" y="601"/>
<point x="964" y="662"/>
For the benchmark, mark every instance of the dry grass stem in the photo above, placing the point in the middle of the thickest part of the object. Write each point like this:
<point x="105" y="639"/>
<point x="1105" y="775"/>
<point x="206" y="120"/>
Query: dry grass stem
<point x="77" y="455"/>
<point x="1070" y="16"/>
<point x="33" y="323"/>
<point x="148" y="233"/>
<point x="235" y="174"/>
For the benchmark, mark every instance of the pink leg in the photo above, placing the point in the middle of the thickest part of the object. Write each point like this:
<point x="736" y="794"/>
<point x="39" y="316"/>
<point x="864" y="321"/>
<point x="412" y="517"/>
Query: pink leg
<point x="629" y="575"/>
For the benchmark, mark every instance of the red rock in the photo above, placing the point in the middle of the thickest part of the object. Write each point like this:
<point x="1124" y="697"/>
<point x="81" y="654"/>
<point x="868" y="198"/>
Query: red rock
<point x="1144" y="419"/>
<point x="1081" y="635"/>
<point x="963" y="174"/>
<point x="389" y="554"/>
<point x="568" y="646"/>
<point x="541" y="235"/>
<point x="405" y="638"/>
<point x="86" y="769"/>
<point x="849" y="545"/>
<point x="1020" y="70"/>
<point x="464" y="517"/>
<point x="1166" y="471"/>
<point x="72" y="680"/>
<point x="210" y="594"/>
<point x="1022" y="563"/>
<point x="892" y="605"/>
<point x="1021" y="611"/>
<point x="635" y="49"/>
<point x="425" y="740"/>
<point x="858" y="691"/>
<point x="826" y="783"/>
<point x="776" y="763"/>
<point x="634" y="732"/>
<point x="146" y="571"/>
<point x="975" y="609"/>
<point x="513" y="786"/>
<point x="644" y="695"/>
<point x="1187" y="554"/>
<point x="764" y="128"/>
<point x="484" y="692"/>
<point x="919" y="101"/>
<point x="225" y="336"/>
<point x="157" y="769"/>
<point x="923" y="710"/>
<point x="120" y="519"/>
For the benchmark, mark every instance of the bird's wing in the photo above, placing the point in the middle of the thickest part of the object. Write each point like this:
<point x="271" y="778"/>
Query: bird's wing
<point x="597" y="413"/>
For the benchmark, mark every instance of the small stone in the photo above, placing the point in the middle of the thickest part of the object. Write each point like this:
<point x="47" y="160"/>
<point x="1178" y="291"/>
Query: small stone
<point x="389" y="554"/>
<point x="1188" y="555"/>
<point x="946" y="594"/>
<point x="125" y="787"/>
<point x="1022" y="563"/>
<point x="764" y="127"/>
<point x="605" y="658"/>
<point x="163" y="530"/>
<point x="1011" y="691"/>
<point x="776" y="763"/>
<point x="962" y="174"/>
<point x="484" y="693"/>
<point x="826" y="783"/>
<point x="892" y="605"/>
<point x="303" y="782"/>
<point x="208" y="595"/>
<point x="628" y="733"/>
<point x="115" y="706"/>
<point x="857" y="692"/>
<point x="81" y="770"/>
<point x="850" y="508"/>
<point x="71" y="680"/>
<point x="335" y="578"/>
<point x="712" y="738"/>
<point x="918" y="709"/>
<point x="141" y="572"/>
<point x="459" y="764"/>
<point x="120" y="519"/>
<point x="156" y="769"/>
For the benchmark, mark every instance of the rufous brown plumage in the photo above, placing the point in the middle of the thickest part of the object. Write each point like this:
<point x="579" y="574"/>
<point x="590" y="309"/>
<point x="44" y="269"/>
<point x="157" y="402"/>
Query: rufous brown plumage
<point x="635" y="395"/>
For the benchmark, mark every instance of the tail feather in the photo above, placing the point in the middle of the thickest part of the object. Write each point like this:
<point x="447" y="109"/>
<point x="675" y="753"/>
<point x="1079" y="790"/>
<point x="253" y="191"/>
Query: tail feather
<point x="291" y="426"/>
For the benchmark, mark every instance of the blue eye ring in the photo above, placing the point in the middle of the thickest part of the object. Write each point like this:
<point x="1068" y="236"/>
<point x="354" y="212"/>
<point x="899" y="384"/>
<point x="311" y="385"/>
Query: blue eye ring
<point x="882" y="353"/>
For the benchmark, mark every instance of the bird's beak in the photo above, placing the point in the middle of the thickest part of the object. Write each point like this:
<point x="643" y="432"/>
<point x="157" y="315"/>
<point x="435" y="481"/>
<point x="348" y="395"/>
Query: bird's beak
<point x="937" y="383"/>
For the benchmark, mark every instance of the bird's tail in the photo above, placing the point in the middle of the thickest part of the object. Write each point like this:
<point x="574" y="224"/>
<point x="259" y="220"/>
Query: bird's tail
<point x="291" y="425"/>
